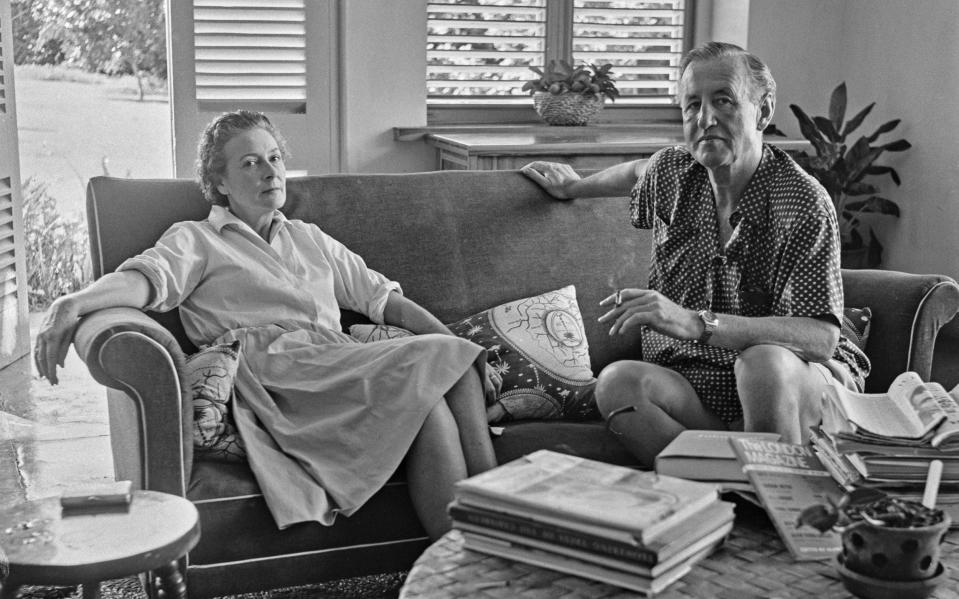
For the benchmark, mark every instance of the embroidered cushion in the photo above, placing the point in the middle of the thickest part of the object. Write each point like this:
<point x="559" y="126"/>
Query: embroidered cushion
<point x="855" y="325"/>
<point x="209" y="376"/>
<point x="537" y="345"/>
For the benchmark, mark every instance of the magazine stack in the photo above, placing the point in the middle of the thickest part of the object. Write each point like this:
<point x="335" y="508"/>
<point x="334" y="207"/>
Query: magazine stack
<point x="887" y="440"/>
<point x="633" y="529"/>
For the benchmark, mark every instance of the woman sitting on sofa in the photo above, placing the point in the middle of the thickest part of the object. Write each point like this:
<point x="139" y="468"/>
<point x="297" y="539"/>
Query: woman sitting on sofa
<point x="325" y="420"/>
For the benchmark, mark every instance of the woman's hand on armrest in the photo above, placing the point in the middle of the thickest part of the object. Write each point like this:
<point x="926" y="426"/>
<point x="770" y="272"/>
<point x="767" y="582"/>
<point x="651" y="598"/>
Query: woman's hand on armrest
<point x="127" y="288"/>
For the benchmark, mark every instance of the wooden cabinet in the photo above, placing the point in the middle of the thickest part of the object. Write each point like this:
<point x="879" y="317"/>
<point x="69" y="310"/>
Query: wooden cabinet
<point x="592" y="147"/>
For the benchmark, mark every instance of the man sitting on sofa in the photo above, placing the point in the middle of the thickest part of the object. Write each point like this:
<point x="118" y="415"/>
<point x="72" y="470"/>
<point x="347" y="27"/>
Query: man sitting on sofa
<point x="741" y="317"/>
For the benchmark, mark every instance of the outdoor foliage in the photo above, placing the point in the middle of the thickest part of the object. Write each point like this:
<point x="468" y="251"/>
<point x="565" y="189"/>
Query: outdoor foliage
<point x="58" y="260"/>
<point x="115" y="37"/>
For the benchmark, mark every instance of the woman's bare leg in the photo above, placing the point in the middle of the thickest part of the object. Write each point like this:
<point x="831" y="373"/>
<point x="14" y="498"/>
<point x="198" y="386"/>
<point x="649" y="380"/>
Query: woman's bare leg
<point x="434" y="463"/>
<point x="468" y="405"/>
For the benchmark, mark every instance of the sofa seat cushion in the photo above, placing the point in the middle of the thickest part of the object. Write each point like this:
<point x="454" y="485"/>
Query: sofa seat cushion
<point x="588" y="440"/>
<point x="228" y="500"/>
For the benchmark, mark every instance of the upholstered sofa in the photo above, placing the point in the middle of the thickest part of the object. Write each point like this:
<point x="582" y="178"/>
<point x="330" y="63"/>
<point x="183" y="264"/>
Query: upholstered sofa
<point x="459" y="242"/>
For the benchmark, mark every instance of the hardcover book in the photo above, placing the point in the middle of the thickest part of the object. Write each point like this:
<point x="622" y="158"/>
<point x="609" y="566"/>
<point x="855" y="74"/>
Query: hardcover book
<point x="569" y="565"/>
<point x="705" y="455"/>
<point x="609" y="500"/>
<point x="706" y="539"/>
<point x="788" y="478"/>
<point x="662" y="550"/>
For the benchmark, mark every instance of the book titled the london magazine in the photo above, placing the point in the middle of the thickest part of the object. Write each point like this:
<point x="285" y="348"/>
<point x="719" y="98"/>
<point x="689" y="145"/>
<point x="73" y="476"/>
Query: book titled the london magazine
<point x="788" y="478"/>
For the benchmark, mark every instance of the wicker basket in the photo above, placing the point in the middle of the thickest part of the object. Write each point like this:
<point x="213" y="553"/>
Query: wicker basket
<point x="568" y="108"/>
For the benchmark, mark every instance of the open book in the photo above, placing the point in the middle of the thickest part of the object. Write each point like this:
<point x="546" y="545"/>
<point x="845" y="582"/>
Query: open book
<point x="912" y="412"/>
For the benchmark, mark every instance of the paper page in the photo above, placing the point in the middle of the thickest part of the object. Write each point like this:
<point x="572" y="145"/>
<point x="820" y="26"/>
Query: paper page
<point x="948" y="430"/>
<point x="908" y="410"/>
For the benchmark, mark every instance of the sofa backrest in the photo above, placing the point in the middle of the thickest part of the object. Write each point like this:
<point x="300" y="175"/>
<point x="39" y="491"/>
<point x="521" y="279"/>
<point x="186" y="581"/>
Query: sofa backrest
<point x="458" y="241"/>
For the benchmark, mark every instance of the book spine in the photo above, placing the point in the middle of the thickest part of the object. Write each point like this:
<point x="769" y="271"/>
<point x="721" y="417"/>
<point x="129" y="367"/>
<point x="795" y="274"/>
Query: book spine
<point x="551" y="534"/>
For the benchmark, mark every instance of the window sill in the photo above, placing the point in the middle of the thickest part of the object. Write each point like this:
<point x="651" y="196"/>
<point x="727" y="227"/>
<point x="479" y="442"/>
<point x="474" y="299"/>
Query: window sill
<point x="534" y="128"/>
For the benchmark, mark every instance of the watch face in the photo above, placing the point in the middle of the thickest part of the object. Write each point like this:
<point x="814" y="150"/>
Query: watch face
<point x="709" y="318"/>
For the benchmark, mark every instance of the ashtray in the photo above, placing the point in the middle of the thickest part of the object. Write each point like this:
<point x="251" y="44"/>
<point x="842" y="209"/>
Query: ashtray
<point x="867" y="587"/>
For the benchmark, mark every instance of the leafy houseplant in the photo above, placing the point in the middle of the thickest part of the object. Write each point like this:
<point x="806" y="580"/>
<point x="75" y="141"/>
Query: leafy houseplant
<point x="842" y="170"/>
<point x="567" y="95"/>
<point x="883" y="539"/>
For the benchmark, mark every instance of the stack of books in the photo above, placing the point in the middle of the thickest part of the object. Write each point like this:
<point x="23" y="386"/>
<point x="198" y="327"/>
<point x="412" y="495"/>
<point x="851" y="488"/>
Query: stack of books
<point x="887" y="440"/>
<point x="637" y="530"/>
<point x="708" y="456"/>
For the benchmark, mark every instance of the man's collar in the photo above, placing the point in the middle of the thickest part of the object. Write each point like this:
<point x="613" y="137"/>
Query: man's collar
<point x="220" y="216"/>
<point x="751" y="204"/>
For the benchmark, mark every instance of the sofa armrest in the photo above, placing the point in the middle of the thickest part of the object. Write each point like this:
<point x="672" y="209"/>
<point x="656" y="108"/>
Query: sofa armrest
<point x="908" y="312"/>
<point x="150" y="409"/>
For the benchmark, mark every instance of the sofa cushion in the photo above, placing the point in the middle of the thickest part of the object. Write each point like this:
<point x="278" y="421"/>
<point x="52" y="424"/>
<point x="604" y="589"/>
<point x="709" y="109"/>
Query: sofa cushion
<point x="209" y="375"/>
<point x="856" y="323"/>
<point x="588" y="440"/>
<point x="537" y="345"/>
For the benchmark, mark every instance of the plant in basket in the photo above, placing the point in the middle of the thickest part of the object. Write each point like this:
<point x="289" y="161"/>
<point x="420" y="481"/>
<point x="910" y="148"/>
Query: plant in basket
<point x="889" y="545"/>
<point x="568" y="95"/>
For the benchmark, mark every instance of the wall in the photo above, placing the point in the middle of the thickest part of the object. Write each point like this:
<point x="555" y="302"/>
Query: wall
<point x="384" y="45"/>
<point x="902" y="55"/>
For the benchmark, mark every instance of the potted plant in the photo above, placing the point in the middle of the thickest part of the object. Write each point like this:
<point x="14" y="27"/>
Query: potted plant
<point x="888" y="544"/>
<point x="567" y="95"/>
<point x="842" y="169"/>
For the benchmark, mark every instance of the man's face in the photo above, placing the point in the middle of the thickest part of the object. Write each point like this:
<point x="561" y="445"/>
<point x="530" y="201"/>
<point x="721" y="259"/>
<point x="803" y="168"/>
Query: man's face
<point x="721" y="119"/>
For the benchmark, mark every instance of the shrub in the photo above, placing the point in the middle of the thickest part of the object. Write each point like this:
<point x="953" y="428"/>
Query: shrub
<point x="58" y="257"/>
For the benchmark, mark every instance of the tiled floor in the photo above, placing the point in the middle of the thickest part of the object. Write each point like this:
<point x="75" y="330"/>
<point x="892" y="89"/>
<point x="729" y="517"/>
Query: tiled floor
<point x="51" y="437"/>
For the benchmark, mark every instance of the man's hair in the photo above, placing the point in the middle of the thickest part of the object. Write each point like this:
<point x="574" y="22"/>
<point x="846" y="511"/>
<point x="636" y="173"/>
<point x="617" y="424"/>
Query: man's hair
<point x="210" y="161"/>
<point x="760" y="76"/>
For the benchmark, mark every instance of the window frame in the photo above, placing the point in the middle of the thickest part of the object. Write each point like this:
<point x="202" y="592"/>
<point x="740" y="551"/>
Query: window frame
<point x="559" y="40"/>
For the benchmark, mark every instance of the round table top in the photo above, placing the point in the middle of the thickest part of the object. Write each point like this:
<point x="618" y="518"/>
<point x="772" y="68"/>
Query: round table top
<point x="44" y="544"/>
<point x="753" y="563"/>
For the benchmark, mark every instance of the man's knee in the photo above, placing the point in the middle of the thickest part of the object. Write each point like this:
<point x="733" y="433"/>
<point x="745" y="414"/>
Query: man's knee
<point x="769" y="363"/>
<point x="620" y="384"/>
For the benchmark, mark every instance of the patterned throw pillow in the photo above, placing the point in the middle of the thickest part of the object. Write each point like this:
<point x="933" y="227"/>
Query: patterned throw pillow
<point x="537" y="344"/>
<point x="209" y="375"/>
<point x="855" y="325"/>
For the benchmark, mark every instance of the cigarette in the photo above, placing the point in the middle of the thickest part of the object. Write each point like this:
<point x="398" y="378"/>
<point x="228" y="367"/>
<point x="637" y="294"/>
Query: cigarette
<point x="932" y="484"/>
<point x="618" y="298"/>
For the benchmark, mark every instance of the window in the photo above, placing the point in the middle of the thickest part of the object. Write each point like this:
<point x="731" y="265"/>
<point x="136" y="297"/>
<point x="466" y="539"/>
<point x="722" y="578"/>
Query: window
<point x="479" y="51"/>
<point x="250" y="51"/>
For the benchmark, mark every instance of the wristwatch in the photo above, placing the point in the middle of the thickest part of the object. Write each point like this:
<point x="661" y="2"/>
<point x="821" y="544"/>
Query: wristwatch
<point x="710" y="322"/>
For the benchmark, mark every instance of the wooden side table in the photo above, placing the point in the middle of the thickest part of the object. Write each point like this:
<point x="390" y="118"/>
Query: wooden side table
<point x="46" y="546"/>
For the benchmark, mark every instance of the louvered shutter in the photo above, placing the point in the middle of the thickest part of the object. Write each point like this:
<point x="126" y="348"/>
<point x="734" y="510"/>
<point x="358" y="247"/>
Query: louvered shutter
<point x="482" y="49"/>
<point x="644" y="41"/>
<point x="250" y="51"/>
<point x="274" y="56"/>
<point x="14" y="323"/>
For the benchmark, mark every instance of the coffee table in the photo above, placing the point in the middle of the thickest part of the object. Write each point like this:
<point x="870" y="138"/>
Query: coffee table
<point x="753" y="563"/>
<point x="47" y="546"/>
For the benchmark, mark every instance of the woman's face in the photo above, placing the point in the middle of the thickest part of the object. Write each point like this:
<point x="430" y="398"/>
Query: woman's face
<point x="255" y="177"/>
